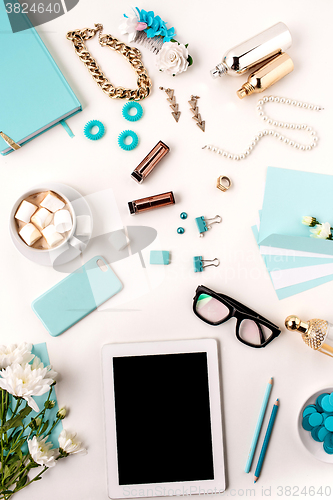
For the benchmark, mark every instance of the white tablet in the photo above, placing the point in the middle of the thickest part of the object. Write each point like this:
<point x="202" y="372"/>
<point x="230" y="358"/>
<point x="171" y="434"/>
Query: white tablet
<point x="163" y="419"/>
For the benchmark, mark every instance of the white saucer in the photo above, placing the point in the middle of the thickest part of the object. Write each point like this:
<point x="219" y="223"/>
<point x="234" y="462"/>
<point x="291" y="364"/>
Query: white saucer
<point x="67" y="252"/>
<point x="316" y="449"/>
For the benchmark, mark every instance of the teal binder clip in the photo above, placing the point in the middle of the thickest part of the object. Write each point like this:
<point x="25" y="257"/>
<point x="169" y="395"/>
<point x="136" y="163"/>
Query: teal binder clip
<point x="204" y="224"/>
<point x="198" y="263"/>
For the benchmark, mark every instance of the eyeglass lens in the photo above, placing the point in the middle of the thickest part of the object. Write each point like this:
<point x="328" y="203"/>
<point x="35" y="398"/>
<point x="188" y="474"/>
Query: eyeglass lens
<point x="211" y="309"/>
<point x="214" y="311"/>
<point x="250" y="332"/>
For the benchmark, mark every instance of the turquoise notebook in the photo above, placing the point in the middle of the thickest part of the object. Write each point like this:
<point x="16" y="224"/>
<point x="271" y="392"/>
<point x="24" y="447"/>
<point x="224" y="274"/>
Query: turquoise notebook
<point x="34" y="95"/>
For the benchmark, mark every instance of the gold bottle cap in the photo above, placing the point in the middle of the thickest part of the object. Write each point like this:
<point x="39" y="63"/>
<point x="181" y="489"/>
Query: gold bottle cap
<point x="293" y="323"/>
<point x="313" y="332"/>
<point x="245" y="90"/>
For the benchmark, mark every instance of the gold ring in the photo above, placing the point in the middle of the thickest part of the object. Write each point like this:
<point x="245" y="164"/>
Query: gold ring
<point x="223" y="183"/>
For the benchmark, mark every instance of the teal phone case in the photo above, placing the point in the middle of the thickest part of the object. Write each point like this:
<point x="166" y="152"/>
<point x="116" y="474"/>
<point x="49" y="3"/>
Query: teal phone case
<point x="76" y="296"/>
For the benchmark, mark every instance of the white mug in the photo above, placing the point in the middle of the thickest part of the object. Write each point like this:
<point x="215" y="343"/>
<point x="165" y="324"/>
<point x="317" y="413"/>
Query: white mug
<point x="45" y="256"/>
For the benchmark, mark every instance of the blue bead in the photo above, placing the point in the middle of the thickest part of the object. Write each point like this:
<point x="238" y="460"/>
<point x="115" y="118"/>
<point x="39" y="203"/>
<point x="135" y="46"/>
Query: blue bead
<point x="180" y="230"/>
<point x="183" y="215"/>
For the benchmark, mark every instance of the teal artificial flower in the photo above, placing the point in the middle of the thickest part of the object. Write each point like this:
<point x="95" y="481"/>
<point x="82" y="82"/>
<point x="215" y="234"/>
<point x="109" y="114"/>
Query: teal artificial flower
<point x="155" y="25"/>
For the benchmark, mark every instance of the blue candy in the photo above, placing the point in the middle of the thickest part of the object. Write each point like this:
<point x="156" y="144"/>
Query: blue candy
<point x="319" y="399"/>
<point x="325" y="404"/>
<point x="314" y="433"/>
<point x="322" y="433"/>
<point x="306" y="425"/>
<point x="316" y="419"/>
<point x="308" y="410"/>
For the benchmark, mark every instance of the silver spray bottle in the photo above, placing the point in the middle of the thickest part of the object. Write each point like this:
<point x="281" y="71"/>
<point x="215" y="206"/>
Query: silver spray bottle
<point x="267" y="44"/>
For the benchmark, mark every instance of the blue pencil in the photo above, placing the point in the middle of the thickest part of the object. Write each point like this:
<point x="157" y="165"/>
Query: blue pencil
<point x="266" y="440"/>
<point x="258" y="426"/>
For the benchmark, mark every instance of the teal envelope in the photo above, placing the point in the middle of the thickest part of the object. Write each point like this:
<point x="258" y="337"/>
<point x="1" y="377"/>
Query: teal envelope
<point x="290" y="195"/>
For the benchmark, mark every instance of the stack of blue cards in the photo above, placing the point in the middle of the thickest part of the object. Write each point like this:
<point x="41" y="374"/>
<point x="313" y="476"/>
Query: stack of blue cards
<point x="295" y="261"/>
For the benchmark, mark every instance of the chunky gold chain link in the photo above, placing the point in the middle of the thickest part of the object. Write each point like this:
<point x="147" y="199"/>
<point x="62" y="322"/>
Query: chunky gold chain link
<point x="132" y="54"/>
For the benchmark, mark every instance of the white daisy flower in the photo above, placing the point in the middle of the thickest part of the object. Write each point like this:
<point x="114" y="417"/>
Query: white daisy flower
<point x="27" y="380"/>
<point x="42" y="452"/>
<point x="14" y="353"/>
<point x="70" y="444"/>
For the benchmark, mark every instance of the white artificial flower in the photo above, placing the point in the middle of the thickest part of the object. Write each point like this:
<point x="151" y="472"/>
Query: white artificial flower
<point x="129" y="27"/>
<point x="131" y="24"/>
<point x="307" y="220"/>
<point x="42" y="452"/>
<point x="27" y="381"/>
<point x="172" y="58"/>
<point x="14" y="353"/>
<point x="69" y="444"/>
<point x="322" y="231"/>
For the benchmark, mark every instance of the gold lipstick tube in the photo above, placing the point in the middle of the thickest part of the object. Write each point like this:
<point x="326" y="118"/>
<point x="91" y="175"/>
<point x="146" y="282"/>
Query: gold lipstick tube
<point x="150" y="162"/>
<point x="151" y="202"/>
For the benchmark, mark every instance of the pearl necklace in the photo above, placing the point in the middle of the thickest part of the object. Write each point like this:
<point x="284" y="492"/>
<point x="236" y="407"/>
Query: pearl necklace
<point x="272" y="132"/>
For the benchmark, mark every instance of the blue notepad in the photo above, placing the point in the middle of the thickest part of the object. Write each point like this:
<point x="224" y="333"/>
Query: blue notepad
<point x="34" y="95"/>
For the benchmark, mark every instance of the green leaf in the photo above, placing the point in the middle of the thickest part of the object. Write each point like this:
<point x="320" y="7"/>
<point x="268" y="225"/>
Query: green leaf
<point x="45" y="426"/>
<point x="12" y="459"/>
<point x="22" y="480"/>
<point x="190" y="60"/>
<point x="18" y="420"/>
<point x="15" y="435"/>
<point x="186" y="45"/>
<point x="7" y="471"/>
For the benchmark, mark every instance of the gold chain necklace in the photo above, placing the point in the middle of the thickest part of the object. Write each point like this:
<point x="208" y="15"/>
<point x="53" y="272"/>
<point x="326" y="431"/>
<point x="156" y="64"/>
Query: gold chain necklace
<point x="132" y="54"/>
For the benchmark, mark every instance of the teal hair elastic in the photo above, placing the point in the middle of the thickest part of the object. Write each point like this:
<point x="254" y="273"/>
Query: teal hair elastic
<point x="122" y="138"/>
<point x="127" y="108"/>
<point x="89" y="126"/>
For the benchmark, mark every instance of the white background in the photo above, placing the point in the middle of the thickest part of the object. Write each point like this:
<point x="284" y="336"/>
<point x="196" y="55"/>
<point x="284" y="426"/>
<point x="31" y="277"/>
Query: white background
<point x="164" y="312"/>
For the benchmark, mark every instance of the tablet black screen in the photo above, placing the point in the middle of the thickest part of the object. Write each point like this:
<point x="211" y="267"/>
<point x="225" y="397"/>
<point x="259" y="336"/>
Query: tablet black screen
<point x="163" y="420"/>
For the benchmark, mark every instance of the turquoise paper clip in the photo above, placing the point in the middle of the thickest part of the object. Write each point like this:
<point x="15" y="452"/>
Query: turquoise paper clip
<point x="198" y="263"/>
<point x="202" y="223"/>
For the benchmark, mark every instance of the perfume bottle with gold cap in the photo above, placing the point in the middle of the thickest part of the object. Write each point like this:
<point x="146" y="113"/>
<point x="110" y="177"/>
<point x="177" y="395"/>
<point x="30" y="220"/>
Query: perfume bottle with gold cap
<point x="316" y="333"/>
<point x="267" y="75"/>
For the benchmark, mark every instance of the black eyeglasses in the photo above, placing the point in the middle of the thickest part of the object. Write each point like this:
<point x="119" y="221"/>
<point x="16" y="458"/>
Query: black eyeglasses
<point x="216" y="308"/>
